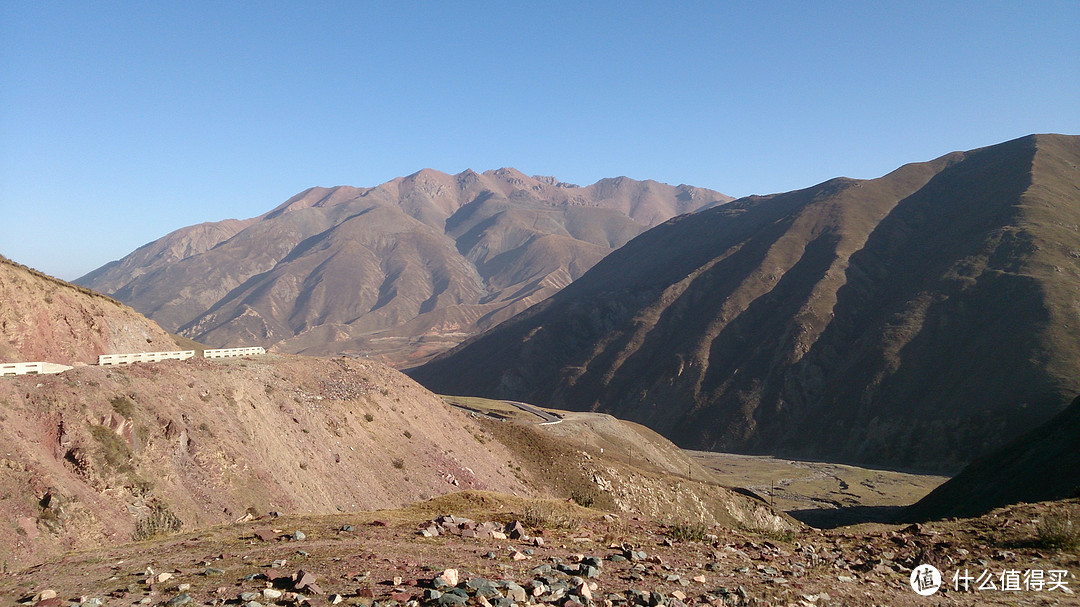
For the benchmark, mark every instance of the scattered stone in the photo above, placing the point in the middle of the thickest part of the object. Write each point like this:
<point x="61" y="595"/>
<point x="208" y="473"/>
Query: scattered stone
<point x="515" y="530"/>
<point x="46" y="594"/>
<point x="180" y="599"/>
<point x="452" y="600"/>
<point x="303" y="579"/>
<point x="448" y="578"/>
<point x="213" y="571"/>
<point x="271" y="594"/>
<point x="299" y="536"/>
<point x="265" y="535"/>
<point x="347" y="528"/>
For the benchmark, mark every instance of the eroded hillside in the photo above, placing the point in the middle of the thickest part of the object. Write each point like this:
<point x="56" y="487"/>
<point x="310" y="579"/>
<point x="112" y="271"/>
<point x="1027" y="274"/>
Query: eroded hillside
<point x="46" y="319"/>
<point x="102" y="455"/>
<point x="915" y="320"/>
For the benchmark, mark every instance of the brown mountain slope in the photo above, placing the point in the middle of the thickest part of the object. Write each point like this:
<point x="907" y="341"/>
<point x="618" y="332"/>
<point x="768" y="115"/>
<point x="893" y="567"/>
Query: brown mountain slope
<point x="1042" y="465"/>
<point x="99" y="455"/>
<point x="917" y="320"/>
<point x="46" y="319"/>
<point x="410" y="266"/>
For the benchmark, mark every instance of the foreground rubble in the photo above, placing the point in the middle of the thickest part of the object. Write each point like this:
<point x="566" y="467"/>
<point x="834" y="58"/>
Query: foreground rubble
<point x="555" y="556"/>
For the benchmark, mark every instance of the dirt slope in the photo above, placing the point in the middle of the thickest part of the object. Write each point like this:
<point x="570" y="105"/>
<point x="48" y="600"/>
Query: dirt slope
<point x="917" y="320"/>
<point x="102" y="455"/>
<point x="92" y="454"/>
<point x="46" y="319"/>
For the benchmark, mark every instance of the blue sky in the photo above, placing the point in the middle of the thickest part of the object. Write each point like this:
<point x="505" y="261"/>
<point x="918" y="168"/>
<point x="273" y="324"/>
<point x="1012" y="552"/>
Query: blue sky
<point x="122" y="121"/>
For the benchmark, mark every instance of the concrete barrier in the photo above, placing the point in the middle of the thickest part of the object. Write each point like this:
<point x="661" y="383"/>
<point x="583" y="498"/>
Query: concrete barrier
<point x="33" y="368"/>
<point x="229" y="352"/>
<point x="143" y="357"/>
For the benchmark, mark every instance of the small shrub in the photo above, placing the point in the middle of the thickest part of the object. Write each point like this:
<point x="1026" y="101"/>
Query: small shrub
<point x="398" y="463"/>
<point x="123" y="405"/>
<point x="408" y="434"/>
<point x="1057" y="531"/>
<point x="688" y="532"/>
<point x="369" y="417"/>
<point x="114" y="451"/>
<point x="583" y="499"/>
<point x="160" y="521"/>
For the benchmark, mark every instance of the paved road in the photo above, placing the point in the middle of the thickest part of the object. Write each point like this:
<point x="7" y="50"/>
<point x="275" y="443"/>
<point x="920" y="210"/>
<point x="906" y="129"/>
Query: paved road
<point x="549" y="418"/>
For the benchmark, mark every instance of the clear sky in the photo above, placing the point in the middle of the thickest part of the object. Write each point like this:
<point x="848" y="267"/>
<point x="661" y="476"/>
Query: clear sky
<point x="122" y="121"/>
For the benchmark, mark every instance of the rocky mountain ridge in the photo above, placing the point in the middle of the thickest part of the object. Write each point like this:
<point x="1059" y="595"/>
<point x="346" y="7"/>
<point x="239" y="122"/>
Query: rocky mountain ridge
<point x="404" y="269"/>
<point x="917" y="320"/>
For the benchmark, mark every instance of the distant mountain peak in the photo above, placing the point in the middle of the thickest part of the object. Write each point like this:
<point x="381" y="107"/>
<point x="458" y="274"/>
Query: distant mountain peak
<point x="406" y="268"/>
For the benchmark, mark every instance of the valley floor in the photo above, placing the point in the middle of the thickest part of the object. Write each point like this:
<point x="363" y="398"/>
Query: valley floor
<point x="820" y="494"/>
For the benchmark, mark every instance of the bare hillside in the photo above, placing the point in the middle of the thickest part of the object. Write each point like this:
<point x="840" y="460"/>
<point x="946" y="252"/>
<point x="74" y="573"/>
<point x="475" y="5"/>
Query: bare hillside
<point x="101" y="455"/>
<point x="46" y="319"/>
<point x="405" y="269"/>
<point x="917" y="320"/>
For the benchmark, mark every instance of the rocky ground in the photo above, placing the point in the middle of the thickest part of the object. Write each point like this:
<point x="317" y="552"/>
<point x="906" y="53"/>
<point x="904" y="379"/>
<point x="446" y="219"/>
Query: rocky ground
<point x="486" y="549"/>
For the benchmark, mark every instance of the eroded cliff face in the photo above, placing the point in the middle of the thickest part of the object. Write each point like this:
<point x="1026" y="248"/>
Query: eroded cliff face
<point x="46" y="319"/>
<point x="914" y="320"/>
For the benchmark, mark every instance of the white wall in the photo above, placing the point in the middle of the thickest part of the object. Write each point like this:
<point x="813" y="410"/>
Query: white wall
<point x="33" y="368"/>
<point x="227" y="352"/>
<point x="143" y="357"/>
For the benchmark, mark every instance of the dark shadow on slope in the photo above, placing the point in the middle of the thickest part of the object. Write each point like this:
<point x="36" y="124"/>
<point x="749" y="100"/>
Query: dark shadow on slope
<point x="831" y="518"/>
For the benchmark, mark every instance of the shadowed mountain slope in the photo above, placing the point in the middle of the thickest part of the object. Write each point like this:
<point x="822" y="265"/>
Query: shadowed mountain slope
<point x="915" y="320"/>
<point x="406" y="269"/>
<point x="1042" y="465"/>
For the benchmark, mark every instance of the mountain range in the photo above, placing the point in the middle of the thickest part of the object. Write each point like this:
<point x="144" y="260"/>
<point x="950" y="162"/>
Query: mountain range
<point x="403" y="270"/>
<point x="918" y="320"/>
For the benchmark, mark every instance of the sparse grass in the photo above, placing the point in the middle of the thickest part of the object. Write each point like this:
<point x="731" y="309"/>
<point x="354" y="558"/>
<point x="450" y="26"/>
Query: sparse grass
<point x="115" y="452"/>
<point x="123" y="405"/>
<point x="685" y="531"/>
<point x="398" y="463"/>
<point x="1056" y="531"/>
<point x="544" y="515"/>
